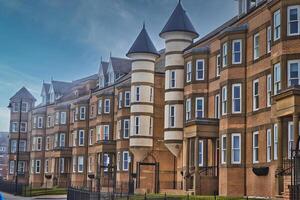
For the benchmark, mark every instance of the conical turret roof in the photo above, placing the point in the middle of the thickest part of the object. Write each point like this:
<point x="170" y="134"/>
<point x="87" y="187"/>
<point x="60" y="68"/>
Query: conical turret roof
<point x="179" y="21"/>
<point x="143" y="44"/>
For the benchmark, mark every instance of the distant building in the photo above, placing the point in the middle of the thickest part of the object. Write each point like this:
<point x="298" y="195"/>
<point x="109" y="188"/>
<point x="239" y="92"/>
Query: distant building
<point x="3" y="154"/>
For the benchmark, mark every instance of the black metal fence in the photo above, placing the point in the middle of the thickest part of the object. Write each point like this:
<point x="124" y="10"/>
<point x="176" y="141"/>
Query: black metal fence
<point x="10" y="187"/>
<point x="85" y="194"/>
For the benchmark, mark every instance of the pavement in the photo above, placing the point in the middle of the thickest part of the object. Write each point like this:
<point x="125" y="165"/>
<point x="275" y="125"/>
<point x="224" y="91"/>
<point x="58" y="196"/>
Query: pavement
<point x="6" y="196"/>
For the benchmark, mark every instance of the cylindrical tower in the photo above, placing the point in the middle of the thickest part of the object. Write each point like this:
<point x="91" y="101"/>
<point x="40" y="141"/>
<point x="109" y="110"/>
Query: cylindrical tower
<point x="143" y="53"/>
<point x="178" y="34"/>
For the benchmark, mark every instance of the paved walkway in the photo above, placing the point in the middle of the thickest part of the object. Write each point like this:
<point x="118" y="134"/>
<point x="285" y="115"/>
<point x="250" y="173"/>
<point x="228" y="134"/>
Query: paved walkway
<point x="7" y="196"/>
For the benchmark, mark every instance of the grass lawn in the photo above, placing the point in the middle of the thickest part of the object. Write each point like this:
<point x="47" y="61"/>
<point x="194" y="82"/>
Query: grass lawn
<point x="44" y="191"/>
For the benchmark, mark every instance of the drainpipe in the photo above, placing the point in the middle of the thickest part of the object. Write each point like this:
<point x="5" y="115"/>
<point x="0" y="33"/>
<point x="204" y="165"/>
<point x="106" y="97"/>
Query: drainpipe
<point x="245" y="120"/>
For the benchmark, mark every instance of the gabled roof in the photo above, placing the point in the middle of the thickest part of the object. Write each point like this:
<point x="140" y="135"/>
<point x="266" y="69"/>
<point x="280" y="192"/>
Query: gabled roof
<point x="88" y="78"/>
<point x="121" y="64"/>
<point x="45" y="87"/>
<point x="179" y="21"/>
<point x="24" y="94"/>
<point x="103" y="66"/>
<point x="60" y="87"/>
<point x="143" y="44"/>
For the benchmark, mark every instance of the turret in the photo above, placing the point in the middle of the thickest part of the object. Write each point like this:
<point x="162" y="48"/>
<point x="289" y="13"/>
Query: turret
<point x="178" y="34"/>
<point x="143" y="54"/>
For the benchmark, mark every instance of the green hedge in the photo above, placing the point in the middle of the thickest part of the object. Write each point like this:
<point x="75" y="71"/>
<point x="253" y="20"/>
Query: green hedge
<point x="44" y="191"/>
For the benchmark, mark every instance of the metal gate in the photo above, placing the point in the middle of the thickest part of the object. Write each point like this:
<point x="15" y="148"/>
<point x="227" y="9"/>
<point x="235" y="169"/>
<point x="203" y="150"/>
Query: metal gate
<point x="295" y="175"/>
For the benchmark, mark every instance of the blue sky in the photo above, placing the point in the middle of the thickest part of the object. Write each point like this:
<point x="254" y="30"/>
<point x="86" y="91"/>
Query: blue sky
<point x="65" y="39"/>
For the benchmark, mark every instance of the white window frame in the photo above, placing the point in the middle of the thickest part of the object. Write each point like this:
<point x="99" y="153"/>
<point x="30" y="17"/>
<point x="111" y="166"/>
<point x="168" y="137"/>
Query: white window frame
<point x="189" y="71"/>
<point x="62" y="140"/>
<point x="74" y="138"/>
<point x="269" y="145"/>
<point x="217" y="106"/>
<point x="40" y="122"/>
<point x="81" y="137"/>
<point x="199" y="109"/>
<point x="23" y="127"/>
<point x="289" y="20"/>
<point x="90" y="164"/>
<point x="62" y="165"/>
<point x="99" y="110"/>
<point x="290" y="138"/>
<point x="11" y="167"/>
<point x="218" y="65"/>
<point x="126" y="121"/>
<point x="255" y="148"/>
<point x="256" y="52"/>
<point x="239" y="85"/>
<point x="290" y="62"/>
<point x="127" y="99"/>
<point x="120" y="100"/>
<point x="224" y="149"/>
<point x="200" y="153"/>
<point x="224" y="100"/>
<point x="277" y="78"/>
<point x="63" y="118"/>
<point x="224" y="54"/>
<point x="37" y="166"/>
<point x="188" y="109"/>
<point x="39" y="143"/>
<point x="106" y="161"/>
<point x="275" y="141"/>
<point x="46" y="165"/>
<point x="124" y="161"/>
<point x="255" y="96"/>
<point x="80" y="163"/>
<point x="105" y="132"/>
<point x="74" y="163"/>
<point x="91" y="133"/>
<point x="82" y="112"/>
<point x="233" y="149"/>
<point x="234" y="51"/>
<point x="106" y="107"/>
<point x="269" y="90"/>
<point x="199" y="70"/>
<point x="269" y="39"/>
<point x="277" y="25"/>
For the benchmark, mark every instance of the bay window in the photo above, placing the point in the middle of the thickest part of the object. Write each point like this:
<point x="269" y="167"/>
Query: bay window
<point x="127" y="99"/>
<point x="293" y="72"/>
<point x="188" y="109"/>
<point x="137" y="94"/>
<point x="269" y="39"/>
<point x="224" y="149"/>
<point x="137" y="125"/>
<point x="269" y="145"/>
<point x="236" y="51"/>
<point x="269" y="89"/>
<point x="126" y="128"/>
<point x="199" y="107"/>
<point x="224" y="55"/>
<point x="290" y="139"/>
<point x="172" y="82"/>
<point x="107" y="106"/>
<point x="63" y="118"/>
<point x="255" y="95"/>
<point x="218" y="67"/>
<point x="189" y="72"/>
<point x="81" y="137"/>
<point x="293" y="20"/>
<point x="275" y="141"/>
<point x="236" y="148"/>
<point x="172" y="116"/>
<point x="99" y="106"/>
<point x="277" y="24"/>
<point x="200" y="153"/>
<point x="217" y="106"/>
<point x="236" y="98"/>
<point x="224" y="100"/>
<point x="125" y="160"/>
<point x="255" y="147"/>
<point x="256" y="53"/>
<point x="277" y="78"/>
<point x="120" y="100"/>
<point x="200" y="69"/>
<point x="82" y="113"/>
<point x="80" y="163"/>
<point x="106" y="132"/>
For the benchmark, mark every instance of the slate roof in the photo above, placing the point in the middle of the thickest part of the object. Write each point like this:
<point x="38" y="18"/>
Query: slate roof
<point x="214" y="32"/>
<point x="104" y="66"/>
<point x="91" y="77"/>
<point x="179" y="21"/>
<point x="24" y="94"/>
<point x="121" y="64"/>
<point x="143" y="44"/>
<point x="60" y="87"/>
<point x="46" y="86"/>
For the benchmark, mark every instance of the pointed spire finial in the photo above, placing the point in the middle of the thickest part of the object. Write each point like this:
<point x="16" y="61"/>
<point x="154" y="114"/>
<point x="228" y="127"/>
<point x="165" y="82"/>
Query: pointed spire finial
<point x="110" y="54"/>
<point x="144" y="24"/>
